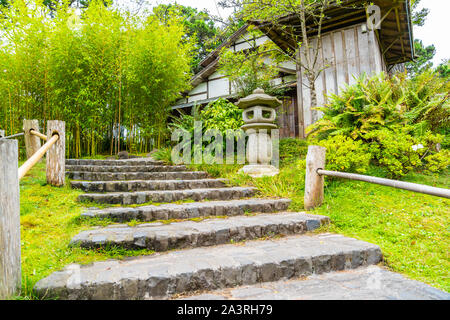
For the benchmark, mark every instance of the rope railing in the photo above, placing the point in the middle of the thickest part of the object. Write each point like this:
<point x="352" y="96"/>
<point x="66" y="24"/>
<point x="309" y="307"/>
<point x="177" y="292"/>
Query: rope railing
<point x="23" y="170"/>
<point x="38" y="134"/>
<point x="314" y="180"/>
<point x="13" y="136"/>
<point x="33" y="132"/>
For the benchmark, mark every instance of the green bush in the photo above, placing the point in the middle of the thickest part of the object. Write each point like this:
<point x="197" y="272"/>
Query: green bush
<point x="382" y="102"/>
<point x="437" y="162"/>
<point x="393" y="149"/>
<point x="292" y="149"/>
<point x="221" y="115"/>
<point x="346" y="154"/>
<point x="164" y="155"/>
<point x="399" y="121"/>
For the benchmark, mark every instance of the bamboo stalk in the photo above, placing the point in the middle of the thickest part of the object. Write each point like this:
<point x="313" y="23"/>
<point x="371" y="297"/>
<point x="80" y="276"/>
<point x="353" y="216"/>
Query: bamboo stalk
<point x="40" y="135"/>
<point x="420" y="188"/>
<point x="23" y="170"/>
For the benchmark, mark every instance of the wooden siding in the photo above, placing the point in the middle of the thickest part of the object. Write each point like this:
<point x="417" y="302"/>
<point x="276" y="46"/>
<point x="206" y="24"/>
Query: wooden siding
<point x="345" y="55"/>
<point x="287" y="117"/>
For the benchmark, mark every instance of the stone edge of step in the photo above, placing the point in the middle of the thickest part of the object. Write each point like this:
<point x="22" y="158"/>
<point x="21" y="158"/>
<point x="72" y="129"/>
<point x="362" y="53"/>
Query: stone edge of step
<point x="146" y="185"/>
<point x="141" y="278"/>
<point x="189" y="210"/>
<point x="211" y="231"/>
<point x="142" y="195"/>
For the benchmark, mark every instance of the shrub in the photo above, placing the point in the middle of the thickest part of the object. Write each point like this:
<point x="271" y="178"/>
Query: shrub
<point x="368" y="105"/>
<point x="292" y="149"/>
<point x="393" y="149"/>
<point x="346" y="154"/>
<point x="222" y="115"/>
<point x="389" y="116"/>
<point x="380" y="102"/>
<point x="164" y="155"/>
<point x="437" y="162"/>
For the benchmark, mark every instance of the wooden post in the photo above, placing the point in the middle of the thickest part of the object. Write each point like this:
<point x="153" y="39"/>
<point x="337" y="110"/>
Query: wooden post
<point x="10" y="270"/>
<point x="56" y="155"/>
<point x="301" y="116"/>
<point x="2" y="133"/>
<point x="32" y="142"/>
<point x="314" y="183"/>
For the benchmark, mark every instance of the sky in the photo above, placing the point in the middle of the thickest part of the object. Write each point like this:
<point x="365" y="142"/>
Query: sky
<point x="435" y="31"/>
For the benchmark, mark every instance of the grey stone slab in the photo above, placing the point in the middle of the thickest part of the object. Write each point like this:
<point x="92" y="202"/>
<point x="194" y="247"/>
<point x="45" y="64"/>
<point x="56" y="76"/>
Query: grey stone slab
<point x="125" y="168"/>
<point x="120" y="176"/>
<point x="147" y="185"/>
<point x="134" y="162"/>
<point x="191" y="210"/>
<point x="189" y="234"/>
<point x="163" y="196"/>
<point x="365" y="283"/>
<point x="190" y="270"/>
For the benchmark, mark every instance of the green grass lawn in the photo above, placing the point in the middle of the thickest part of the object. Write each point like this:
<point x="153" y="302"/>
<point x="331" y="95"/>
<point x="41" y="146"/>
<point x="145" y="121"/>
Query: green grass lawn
<point x="50" y="217"/>
<point x="412" y="229"/>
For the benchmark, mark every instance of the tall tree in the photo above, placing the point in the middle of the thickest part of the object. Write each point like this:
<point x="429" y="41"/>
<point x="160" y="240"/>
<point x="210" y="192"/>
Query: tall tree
<point x="109" y="74"/>
<point x="424" y="54"/>
<point x="423" y="60"/>
<point x="199" y="26"/>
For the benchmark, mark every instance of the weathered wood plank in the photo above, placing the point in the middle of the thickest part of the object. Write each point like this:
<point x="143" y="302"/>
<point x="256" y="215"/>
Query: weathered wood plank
<point x="364" y="55"/>
<point x="351" y="53"/>
<point x="32" y="142"/>
<point x="56" y="156"/>
<point x="10" y="269"/>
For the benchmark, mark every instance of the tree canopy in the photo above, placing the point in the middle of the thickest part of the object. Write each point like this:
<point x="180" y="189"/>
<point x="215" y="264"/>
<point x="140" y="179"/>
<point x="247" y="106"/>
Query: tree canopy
<point x="112" y="76"/>
<point x="199" y="25"/>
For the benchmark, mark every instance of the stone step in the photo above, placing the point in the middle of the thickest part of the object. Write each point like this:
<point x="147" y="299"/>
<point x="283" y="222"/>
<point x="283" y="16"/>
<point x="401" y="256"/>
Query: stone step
<point x="163" y="196"/>
<point x="147" y="185"/>
<point x="116" y="176"/>
<point x="191" y="234"/>
<point x="190" y="210"/>
<point x="149" y="168"/>
<point x="366" y="283"/>
<point x="89" y="162"/>
<point x="209" y="268"/>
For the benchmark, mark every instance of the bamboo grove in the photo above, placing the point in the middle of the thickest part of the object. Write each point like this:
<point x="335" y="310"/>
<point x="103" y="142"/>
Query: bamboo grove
<point x="109" y="74"/>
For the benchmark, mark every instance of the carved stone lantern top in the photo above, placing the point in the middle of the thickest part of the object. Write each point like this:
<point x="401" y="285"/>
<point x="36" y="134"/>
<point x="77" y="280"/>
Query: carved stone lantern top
<point x="259" y="110"/>
<point x="258" y="98"/>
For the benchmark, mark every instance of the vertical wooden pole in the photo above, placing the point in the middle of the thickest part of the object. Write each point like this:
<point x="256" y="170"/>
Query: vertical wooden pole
<point x="32" y="142"/>
<point x="10" y="271"/>
<point x="301" y="117"/>
<point x="314" y="183"/>
<point x="56" y="156"/>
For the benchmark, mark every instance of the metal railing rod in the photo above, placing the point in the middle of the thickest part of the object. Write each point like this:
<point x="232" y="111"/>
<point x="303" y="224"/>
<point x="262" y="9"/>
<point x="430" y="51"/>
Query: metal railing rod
<point x="37" y="156"/>
<point x="40" y="135"/>
<point x="420" y="188"/>
<point x="13" y="136"/>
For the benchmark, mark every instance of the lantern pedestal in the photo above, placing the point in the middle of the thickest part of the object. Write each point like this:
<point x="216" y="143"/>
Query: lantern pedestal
<point x="260" y="170"/>
<point x="259" y="116"/>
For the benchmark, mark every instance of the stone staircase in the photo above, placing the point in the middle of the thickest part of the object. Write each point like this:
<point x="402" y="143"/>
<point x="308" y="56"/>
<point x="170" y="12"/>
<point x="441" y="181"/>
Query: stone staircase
<point x="238" y="240"/>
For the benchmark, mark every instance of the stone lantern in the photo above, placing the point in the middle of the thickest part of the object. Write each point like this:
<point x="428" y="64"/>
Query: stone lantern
<point x="259" y="116"/>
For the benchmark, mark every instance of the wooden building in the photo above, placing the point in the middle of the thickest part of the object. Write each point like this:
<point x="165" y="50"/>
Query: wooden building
<point x="348" y="49"/>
